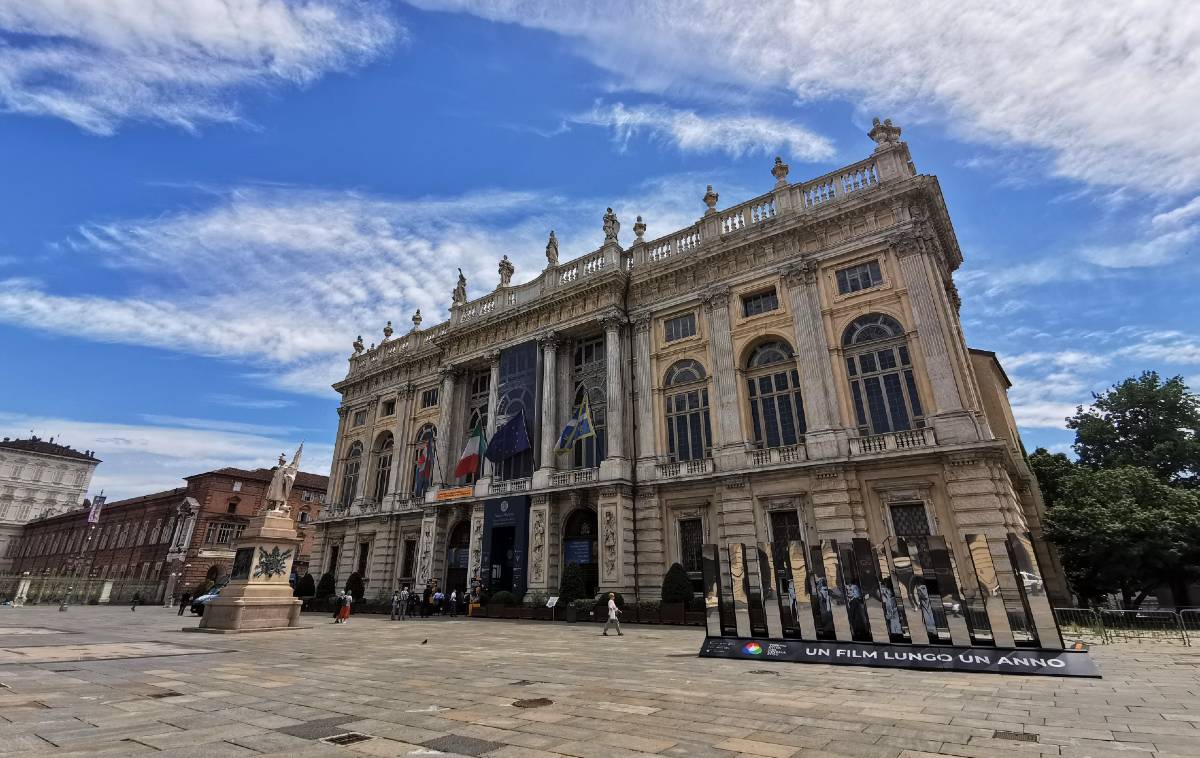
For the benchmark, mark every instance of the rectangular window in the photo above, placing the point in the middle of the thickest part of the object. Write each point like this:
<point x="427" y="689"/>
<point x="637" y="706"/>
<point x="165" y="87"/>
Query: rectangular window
<point x="679" y="327"/>
<point x="760" y="302"/>
<point x="691" y="545"/>
<point x="410" y="558"/>
<point x="389" y="408"/>
<point x="429" y="397"/>
<point x="860" y="277"/>
<point x="360" y="418"/>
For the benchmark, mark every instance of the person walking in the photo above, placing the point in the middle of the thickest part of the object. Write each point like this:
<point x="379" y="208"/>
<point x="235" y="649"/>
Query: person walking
<point x="613" y="612"/>
<point x="427" y="600"/>
<point x="453" y="603"/>
<point x="405" y="597"/>
<point x="344" y="612"/>
<point x="184" y="602"/>
<point x="135" y="601"/>
<point x="337" y="606"/>
<point x="395" y="605"/>
<point x="438" y="600"/>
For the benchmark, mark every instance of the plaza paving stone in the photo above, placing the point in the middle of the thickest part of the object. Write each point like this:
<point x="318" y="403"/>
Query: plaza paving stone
<point x="135" y="684"/>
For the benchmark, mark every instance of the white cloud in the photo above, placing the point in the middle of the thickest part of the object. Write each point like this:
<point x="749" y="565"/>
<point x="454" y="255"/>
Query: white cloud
<point x="1110" y="93"/>
<point x="284" y="278"/>
<point x="1178" y="215"/>
<point x="251" y="403"/>
<point x="98" y="63"/>
<point x="1154" y="250"/>
<point x="736" y="135"/>
<point x="1042" y="414"/>
<point x="138" y="459"/>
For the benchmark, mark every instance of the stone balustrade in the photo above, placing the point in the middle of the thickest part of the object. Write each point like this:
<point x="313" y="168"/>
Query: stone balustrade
<point x="776" y="455"/>
<point x="880" y="443"/>
<point x="684" y="468"/>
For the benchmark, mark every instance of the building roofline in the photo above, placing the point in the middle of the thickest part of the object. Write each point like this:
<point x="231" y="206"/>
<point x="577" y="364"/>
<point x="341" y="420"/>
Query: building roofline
<point x="991" y="354"/>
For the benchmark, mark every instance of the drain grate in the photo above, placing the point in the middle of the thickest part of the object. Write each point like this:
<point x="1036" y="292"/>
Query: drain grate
<point x="349" y="738"/>
<point x="1001" y="734"/>
<point x="536" y="702"/>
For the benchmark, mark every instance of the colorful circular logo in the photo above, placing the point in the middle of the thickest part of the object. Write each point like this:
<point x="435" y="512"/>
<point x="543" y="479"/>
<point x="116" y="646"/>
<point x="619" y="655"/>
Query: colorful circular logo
<point x="752" y="648"/>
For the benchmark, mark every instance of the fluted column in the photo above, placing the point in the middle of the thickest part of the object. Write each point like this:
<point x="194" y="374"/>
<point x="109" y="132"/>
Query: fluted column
<point x="817" y="386"/>
<point x="614" y="375"/>
<point x="644" y="386"/>
<point x="400" y="431"/>
<point x="725" y="390"/>
<point x="548" y="432"/>
<point x="446" y="402"/>
<point x="952" y="422"/>
<point x="493" y="403"/>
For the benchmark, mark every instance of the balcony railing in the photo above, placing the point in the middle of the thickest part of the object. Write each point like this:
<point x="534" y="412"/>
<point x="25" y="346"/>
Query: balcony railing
<point x="504" y="487"/>
<point x="775" y="455"/>
<point x="684" y="468"/>
<point x="880" y="443"/>
<point x="579" y="476"/>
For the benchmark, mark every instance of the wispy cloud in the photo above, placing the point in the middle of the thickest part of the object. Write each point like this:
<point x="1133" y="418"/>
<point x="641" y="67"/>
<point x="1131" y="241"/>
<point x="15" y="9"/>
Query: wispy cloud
<point x="283" y="278"/>
<point x="142" y="458"/>
<point x="98" y="63"/>
<point x="689" y="131"/>
<point x="249" y="403"/>
<point x="1109" y="94"/>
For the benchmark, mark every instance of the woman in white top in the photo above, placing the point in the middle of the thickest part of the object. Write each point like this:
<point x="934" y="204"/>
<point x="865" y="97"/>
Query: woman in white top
<point x="613" y="612"/>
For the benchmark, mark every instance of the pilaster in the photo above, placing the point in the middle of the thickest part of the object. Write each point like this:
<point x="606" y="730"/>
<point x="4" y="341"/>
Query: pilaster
<point x="643" y="375"/>
<point x="825" y="437"/>
<point x="729" y="444"/>
<point x="548" y="428"/>
<point x="651" y="542"/>
<point x="539" y="554"/>
<point x="613" y="512"/>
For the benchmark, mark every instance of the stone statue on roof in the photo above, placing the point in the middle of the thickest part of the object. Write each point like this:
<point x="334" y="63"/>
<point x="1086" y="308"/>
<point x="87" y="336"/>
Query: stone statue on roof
<point x="460" y="290"/>
<point x="612" y="227"/>
<point x="552" y="250"/>
<point x="506" y="271"/>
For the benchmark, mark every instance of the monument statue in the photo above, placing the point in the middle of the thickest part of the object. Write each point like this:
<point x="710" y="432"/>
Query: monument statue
<point x="612" y="227"/>
<point x="552" y="250"/>
<point x="282" y="482"/>
<point x="460" y="290"/>
<point x="506" y="271"/>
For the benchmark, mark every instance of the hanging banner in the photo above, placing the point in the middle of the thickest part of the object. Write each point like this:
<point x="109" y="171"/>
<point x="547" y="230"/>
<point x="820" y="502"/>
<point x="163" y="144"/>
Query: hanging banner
<point x="94" y="511"/>
<point x="453" y="493"/>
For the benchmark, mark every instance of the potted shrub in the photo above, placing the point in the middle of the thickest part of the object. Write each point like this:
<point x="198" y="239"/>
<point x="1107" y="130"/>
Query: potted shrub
<point x="581" y="610"/>
<point x="325" y="587"/>
<point x="356" y="587"/>
<point x="570" y="590"/>
<point x="503" y="604"/>
<point x="676" y="594"/>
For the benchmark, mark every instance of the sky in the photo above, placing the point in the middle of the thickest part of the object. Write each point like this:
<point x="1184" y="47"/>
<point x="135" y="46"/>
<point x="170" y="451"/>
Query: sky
<point x="203" y="202"/>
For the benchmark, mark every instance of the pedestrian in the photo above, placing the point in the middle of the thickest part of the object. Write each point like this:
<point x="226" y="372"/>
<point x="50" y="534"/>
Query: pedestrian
<point x="337" y="606"/>
<point x="438" y="600"/>
<point x="453" y="603"/>
<point x="613" y="612"/>
<point x="395" y="605"/>
<point x="405" y="597"/>
<point x="427" y="600"/>
<point x="136" y="601"/>
<point x="184" y="602"/>
<point x="344" y="612"/>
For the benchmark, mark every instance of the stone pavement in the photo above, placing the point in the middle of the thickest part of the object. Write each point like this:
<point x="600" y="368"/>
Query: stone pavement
<point x="120" y="683"/>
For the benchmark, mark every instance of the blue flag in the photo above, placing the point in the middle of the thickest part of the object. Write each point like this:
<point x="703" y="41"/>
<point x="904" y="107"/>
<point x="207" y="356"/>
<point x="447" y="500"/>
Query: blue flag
<point x="579" y="427"/>
<point x="509" y="439"/>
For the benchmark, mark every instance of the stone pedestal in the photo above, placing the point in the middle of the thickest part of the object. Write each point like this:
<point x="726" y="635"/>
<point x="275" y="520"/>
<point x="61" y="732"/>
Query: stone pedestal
<point x="258" y="597"/>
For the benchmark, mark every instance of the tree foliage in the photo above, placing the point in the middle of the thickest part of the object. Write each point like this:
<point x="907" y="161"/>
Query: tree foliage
<point x="356" y="587"/>
<point x="572" y="587"/>
<point x="1050" y="469"/>
<point x="305" y="586"/>
<point x="676" y="586"/>
<point x="1145" y="422"/>
<point x="1123" y="530"/>
<point x="326" y="586"/>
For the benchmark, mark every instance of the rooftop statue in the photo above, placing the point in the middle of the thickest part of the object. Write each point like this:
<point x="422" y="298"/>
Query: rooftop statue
<point x="460" y="290"/>
<point x="506" y="271"/>
<point x="612" y="227"/>
<point x="552" y="250"/>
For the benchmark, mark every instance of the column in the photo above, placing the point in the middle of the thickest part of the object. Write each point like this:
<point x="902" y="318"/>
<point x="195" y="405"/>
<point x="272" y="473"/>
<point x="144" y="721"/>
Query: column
<point x="817" y="385"/>
<point x="951" y="421"/>
<point x="549" y="430"/>
<point x="400" y="433"/>
<point x="643" y="373"/>
<point x="445" y="432"/>
<point x="493" y="404"/>
<point x="614" y="375"/>
<point x="728" y="429"/>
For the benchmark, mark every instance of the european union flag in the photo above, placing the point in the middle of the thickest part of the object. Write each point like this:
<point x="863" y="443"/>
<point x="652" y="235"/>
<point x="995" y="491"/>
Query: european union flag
<point x="509" y="439"/>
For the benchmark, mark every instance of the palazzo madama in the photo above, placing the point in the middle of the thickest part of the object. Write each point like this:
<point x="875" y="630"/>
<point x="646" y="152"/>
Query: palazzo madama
<point x="789" y="367"/>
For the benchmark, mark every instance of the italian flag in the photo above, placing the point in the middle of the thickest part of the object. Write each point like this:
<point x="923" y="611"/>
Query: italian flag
<point x="468" y="462"/>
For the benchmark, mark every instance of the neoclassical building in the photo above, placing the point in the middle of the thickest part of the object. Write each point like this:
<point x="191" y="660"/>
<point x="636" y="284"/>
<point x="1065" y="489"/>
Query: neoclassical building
<point x="790" y="367"/>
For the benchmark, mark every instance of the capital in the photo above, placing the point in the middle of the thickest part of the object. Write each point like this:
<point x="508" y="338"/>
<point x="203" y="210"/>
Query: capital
<point x="492" y="357"/>
<point x="449" y="372"/>
<point x="716" y="299"/>
<point x="641" y="323"/>
<point x="548" y="340"/>
<point x="611" y="323"/>
<point x="803" y="274"/>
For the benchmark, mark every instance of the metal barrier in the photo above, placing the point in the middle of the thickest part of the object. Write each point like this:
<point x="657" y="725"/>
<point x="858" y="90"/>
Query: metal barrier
<point x="1156" y="626"/>
<point x="1080" y="623"/>
<point x="1190" y="618"/>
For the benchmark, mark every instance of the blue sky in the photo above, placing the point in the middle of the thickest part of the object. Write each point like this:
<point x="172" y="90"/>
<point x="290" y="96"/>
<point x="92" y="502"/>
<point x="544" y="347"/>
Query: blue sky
<point x="204" y="202"/>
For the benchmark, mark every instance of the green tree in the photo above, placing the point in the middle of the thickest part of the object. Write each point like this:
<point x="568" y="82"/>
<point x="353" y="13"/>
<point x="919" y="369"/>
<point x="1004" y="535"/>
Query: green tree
<point x="305" y="586"/>
<point x="1145" y="422"/>
<point x="326" y="586"/>
<point x="1050" y="470"/>
<point x="1124" y="531"/>
<point x="572" y="587"/>
<point x="356" y="587"/>
<point x="676" y="586"/>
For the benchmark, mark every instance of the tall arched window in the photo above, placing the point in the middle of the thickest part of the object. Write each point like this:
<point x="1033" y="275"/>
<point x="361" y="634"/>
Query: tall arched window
<point x="881" y="376"/>
<point x="350" y="473"/>
<point x="426" y="436"/>
<point x="773" y="384"/>
<point x="589" y="377"/>
<point x="689" y="430"/>
<point x="383" y="465"/>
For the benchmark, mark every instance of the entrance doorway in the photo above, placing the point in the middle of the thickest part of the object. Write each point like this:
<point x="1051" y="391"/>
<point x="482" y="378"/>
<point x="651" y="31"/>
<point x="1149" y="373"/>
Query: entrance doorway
<point x="458" y="549"/>
<point x="504" y="540"/>
<point x="580" y="546"/>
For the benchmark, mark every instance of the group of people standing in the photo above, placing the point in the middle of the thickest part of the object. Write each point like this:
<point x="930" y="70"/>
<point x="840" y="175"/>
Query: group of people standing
<point x="431" y="602"/>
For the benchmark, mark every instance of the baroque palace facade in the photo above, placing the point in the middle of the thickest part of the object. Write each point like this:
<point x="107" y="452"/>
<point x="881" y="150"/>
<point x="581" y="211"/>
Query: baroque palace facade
<point x="789" y="368"/>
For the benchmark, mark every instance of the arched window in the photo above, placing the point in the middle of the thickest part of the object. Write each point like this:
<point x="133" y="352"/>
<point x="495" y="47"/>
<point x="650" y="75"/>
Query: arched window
<point x="383" y="465"/>
<point x="426" y="440"/>
<point x="689" y="430"/>
<point x="881" y="376"/>
<point x="589" y="376"/>
<point x="773" y="385"/>
<point x="350" y="473"/>
<point x="303" y="517"/>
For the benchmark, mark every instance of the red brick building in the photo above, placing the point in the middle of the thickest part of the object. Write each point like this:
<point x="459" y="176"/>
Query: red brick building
<point x="174" y="539"/>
